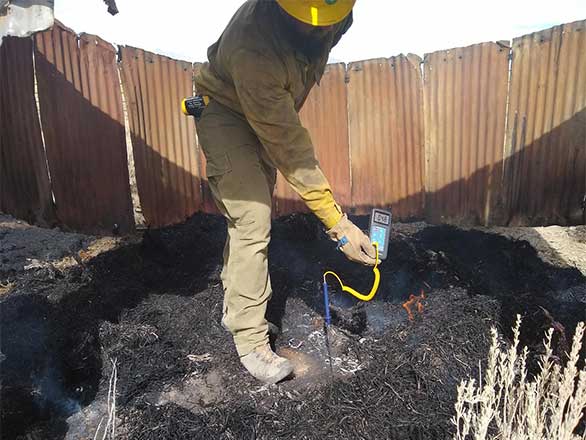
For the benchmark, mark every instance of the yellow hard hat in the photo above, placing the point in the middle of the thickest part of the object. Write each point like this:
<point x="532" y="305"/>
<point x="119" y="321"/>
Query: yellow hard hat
<point x="318" y="12"/>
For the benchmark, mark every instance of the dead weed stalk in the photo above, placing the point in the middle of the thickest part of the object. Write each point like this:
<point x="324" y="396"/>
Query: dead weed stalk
<point x="109" y="432"/>
<point x="507" y="404"/>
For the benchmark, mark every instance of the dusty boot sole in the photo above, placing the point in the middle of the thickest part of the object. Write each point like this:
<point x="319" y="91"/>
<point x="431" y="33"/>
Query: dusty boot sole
<point x="285" y="372"/>
<point x="269" y="371"/>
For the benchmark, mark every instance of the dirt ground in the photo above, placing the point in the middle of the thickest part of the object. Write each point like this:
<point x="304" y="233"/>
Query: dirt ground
<point x="75" y="309"/>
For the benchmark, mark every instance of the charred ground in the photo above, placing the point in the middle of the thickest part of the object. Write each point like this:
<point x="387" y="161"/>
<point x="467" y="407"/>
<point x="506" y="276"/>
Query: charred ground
<point x="153" y="304"/>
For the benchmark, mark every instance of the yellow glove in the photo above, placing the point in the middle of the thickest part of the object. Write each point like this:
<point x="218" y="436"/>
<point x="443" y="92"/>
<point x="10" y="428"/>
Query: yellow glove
<point x="353" y="242"/>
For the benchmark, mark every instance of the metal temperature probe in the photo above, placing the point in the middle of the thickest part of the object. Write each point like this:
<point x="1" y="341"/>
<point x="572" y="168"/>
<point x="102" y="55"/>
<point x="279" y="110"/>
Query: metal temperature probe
<point x="380" y="230"/>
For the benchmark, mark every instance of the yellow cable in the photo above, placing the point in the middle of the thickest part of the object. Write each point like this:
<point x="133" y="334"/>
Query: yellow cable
<point x="355" y="293"/>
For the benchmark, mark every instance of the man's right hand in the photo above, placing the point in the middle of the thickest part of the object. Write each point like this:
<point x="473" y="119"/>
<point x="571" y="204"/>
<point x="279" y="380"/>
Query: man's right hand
<point x="353" y="242"/>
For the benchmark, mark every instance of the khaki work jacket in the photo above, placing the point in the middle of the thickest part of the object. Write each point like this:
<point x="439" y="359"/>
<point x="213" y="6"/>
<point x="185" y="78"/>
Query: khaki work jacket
<point x="254" y="70"/>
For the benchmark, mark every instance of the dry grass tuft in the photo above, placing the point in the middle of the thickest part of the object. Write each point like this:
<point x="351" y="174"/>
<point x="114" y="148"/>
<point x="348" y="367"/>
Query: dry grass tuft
<point x="506" y="404"/>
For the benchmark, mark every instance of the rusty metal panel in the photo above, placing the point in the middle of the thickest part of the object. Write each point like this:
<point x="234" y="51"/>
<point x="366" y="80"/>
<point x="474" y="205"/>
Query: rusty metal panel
<point x="465" y="112"/>
<point x="324" y="114"/>
<point x="25" y="190"/>
<point x="163" y="139"/>
<point x="545" y="172"/>
<point x="387" y="135"/>
<point x="83" y="125"/>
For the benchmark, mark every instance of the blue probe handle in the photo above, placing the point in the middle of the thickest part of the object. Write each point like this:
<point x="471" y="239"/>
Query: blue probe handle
<point x="327" y="304"/>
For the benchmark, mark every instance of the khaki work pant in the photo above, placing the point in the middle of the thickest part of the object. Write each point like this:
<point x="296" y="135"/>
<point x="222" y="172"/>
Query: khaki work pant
<point x="241" y="178"/>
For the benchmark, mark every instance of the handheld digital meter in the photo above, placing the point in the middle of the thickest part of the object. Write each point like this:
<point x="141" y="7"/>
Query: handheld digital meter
<point x="380" y="230"/>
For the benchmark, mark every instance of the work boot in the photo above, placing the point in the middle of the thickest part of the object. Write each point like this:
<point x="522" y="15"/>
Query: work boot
<point x="266" y="366"/>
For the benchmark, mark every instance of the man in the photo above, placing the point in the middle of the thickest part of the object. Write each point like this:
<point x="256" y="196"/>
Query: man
<point x="259" y="74"/>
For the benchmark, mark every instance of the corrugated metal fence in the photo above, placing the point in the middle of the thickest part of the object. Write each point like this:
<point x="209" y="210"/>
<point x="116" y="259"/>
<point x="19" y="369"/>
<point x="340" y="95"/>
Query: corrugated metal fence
<point x="25" y="190"/>
<point x="163" y="139"/>
<point x="545" y="149"/>
<point x="83" y="127"/>
<point x="386" y="135"/>
<point x="465" y="107"/>
<point x="488" y="134"/>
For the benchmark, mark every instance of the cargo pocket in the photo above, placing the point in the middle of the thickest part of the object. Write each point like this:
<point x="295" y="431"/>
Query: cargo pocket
<point x="217" y="166"/>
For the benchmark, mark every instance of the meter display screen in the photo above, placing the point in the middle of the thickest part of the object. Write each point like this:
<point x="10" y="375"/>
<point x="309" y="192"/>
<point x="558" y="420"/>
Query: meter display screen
<point x="378" y="235"/>
<point x="380" y="230"/>
<point x="381" y="217"/>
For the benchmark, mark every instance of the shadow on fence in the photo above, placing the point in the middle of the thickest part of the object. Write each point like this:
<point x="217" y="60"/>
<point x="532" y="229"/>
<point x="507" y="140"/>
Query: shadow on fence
<point x="541" y="182"/>
<point x="511" y="201"/>
<point x="83" y="128"/>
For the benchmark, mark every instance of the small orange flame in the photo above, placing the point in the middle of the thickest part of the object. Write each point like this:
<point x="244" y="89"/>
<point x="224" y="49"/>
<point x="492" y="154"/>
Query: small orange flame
<point x="414" y="301"/>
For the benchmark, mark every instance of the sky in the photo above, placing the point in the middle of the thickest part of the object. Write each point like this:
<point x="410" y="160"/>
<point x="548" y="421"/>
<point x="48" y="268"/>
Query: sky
<point x="184" y="29"/>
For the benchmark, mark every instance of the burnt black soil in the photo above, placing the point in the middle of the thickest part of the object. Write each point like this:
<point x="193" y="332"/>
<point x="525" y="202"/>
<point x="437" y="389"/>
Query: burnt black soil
<point x="154" y="305"/>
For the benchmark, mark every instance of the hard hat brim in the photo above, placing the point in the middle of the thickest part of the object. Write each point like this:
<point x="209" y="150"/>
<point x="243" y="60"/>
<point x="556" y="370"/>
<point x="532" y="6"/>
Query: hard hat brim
<point x="317" y="13"/>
